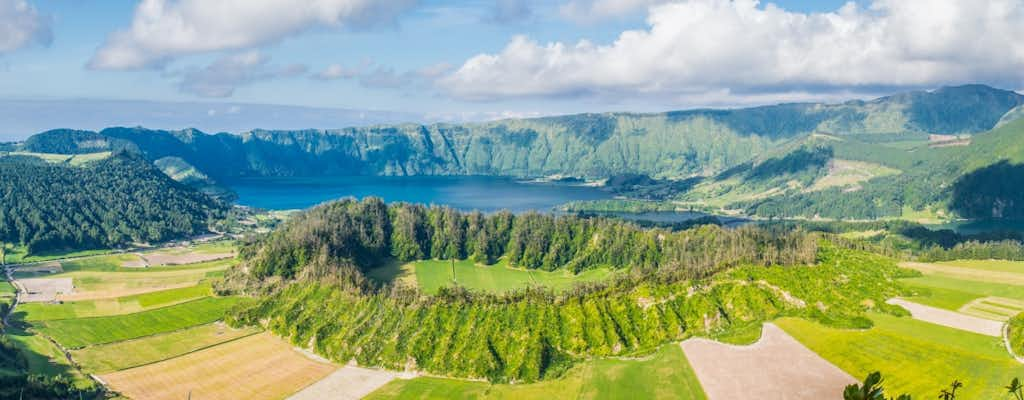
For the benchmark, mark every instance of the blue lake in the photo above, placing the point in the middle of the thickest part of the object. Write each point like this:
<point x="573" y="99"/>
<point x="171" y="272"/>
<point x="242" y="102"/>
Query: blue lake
<point x="484" y="193"/>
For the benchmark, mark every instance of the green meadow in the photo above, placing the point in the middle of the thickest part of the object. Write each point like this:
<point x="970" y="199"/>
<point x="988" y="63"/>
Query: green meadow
<point x="914" y="357"/>
<point x="115" y="306"/>
<point x="77" y="333"/>
<point x="149" y="349"/>
<point x="432" y="275"/>
<point x="664" y="375"/>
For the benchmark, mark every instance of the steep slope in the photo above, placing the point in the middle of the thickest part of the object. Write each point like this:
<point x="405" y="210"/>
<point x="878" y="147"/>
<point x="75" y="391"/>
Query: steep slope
<point x="665" y="145"/>
<point x="115" y="201"/>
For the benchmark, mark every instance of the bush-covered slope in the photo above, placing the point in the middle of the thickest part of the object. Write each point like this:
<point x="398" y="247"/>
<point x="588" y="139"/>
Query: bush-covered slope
<point x="115" y="201"/>
<point x="680" y="286"/>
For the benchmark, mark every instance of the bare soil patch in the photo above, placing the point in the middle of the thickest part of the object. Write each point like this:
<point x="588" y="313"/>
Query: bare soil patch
<point x="776" y="367"/>
<point x="951" y="319"/>
<point x="347" y="383"/>
<point x="44" y="289"/>
<point x="256" y="367"/>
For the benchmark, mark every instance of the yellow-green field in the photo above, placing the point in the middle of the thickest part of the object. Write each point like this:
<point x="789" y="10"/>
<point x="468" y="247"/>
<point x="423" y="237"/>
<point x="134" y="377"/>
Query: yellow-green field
<point x="146" y="350"/>
<point x="664" y="375"/>
<point x="915" y="357"/>
<point x="985" y="288"/>
<point x="432" y="275"/>
<point x="114" y="306"/>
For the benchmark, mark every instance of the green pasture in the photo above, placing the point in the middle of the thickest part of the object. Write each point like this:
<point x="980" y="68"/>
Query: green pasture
<point x="149" y="349"/>
<point x="664" y="375"/>
<point x="432" y="275"/>
<point x="115" y="306"/>
<point x="941" y="290"/>
<point x="915" y="357"/>
<point x="77" y="333"/>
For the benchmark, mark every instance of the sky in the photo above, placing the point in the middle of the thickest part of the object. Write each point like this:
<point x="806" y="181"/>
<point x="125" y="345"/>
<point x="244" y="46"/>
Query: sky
<point x="434" y="60"/>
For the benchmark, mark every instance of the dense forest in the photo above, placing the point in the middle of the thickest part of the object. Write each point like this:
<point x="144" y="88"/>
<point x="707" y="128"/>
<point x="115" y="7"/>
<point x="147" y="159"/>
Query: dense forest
<point x="365" y="234"/>
<point x="675" y="284"/>
<point x="116" y="201"/>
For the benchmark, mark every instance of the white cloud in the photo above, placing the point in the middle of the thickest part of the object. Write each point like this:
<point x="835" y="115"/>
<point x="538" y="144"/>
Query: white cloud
<point x="337" y="71"/>
<point x="594" y="10"/>
<point x="21" y="25"/>
<point x="223" y="76"/>
<point x="164" y="29"/>
<point x="699" y="47"/>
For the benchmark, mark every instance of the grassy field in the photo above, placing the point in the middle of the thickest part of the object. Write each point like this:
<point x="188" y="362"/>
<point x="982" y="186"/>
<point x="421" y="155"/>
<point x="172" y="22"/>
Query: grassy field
<point x="76" y="333"/>
<point x="18" y="254"/>
<point x="115" y="306"/>
<point x="968" y="281"/>
<point x="431" y="275"/>
<point x="44" y="357"/>
<point x="255" y="367"/>
<point x="132" y="353"/>
<point x="665" y="375"/>
<point x="99" y="279"/>
<point x="915" y="357"/>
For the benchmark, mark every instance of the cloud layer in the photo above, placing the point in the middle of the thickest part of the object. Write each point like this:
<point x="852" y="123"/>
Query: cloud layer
<point x="223" y="76"/>
<point x="695" y="47"/>
<point x="164" y="29"/>
<point x="21" y="25"/>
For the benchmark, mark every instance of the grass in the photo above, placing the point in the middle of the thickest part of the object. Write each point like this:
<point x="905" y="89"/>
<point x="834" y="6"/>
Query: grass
<point x="98" y="279"/>
<point x="665" y="375"/>
<point x="952" y="291"/>
<point x="44" y="357"/>
<point x="77" y="333"/>
<point x="115" y="306"/>
<point x="255" y="367"/>
<point x="431" y="275"/>
<point x="18" y="254"/>
<point x="915" y="357"/>
<point x="988" y="265"/>
<point x="146" y="350"/>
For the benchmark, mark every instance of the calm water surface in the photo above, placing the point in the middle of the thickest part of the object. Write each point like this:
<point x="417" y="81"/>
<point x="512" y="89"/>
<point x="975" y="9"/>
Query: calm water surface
<point x="482" y="193"/>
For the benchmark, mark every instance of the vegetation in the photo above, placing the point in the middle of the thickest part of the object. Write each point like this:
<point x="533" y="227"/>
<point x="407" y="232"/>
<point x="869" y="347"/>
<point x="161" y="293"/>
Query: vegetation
<point x="363" y="235"/>
<point x="150" y="349"/>
<point x="664" y="375"/>
<point x="1015" y="334"/>
<point x="917" y="358"/>
<point x="432" y="275"/>
<point x="535" y="334"/>
<point x="107" y="307"/>
<point x="112" y="202"/>
<point x="76" y="333"/>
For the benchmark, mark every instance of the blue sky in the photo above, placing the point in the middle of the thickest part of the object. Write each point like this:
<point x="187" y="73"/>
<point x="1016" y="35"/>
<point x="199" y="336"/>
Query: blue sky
<point x="475" y="59"/>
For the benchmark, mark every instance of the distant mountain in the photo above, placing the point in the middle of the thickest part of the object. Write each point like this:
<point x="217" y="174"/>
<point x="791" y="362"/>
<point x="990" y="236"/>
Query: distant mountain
<point x="666" y="145"/>
<point x="21" y="118"/>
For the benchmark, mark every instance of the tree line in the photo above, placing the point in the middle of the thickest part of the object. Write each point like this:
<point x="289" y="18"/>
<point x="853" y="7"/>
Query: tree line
<point x="365" y="234"/>
<point x="106" y="203"/>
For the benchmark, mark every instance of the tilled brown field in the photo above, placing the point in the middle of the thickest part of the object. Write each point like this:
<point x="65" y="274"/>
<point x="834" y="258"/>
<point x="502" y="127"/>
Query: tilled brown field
<point x="777" y="367"/>
<point x="256" y="367"/>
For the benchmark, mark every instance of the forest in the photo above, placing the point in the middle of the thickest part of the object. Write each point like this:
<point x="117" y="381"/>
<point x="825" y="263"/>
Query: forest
<point x="365" y="234"/>
<point x="675" y="284"/>
<point x="106" y="203"/>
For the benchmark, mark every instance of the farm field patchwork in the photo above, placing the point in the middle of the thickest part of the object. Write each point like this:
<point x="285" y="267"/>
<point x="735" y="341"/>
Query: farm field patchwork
<point x="955" y="285"/>
<point x="44" y="357"/>
<point x="914" y="357"/>
<point x="90" y="285"/>
<point x="76" y="333"/>
<point x="255" y="367"/>
<point x="664" y="375"/>
<point x="114" y="306"/>
<point x="431" y="275"/>
<point x="149" y="349"/>
<point x="347" y="383"/>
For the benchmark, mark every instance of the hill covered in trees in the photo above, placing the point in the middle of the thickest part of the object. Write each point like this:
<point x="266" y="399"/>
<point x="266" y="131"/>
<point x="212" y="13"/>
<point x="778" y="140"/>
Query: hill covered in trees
<point x="665" y="145"/>
<point x="111" y="202"/>
<point x="704" y="281"/>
